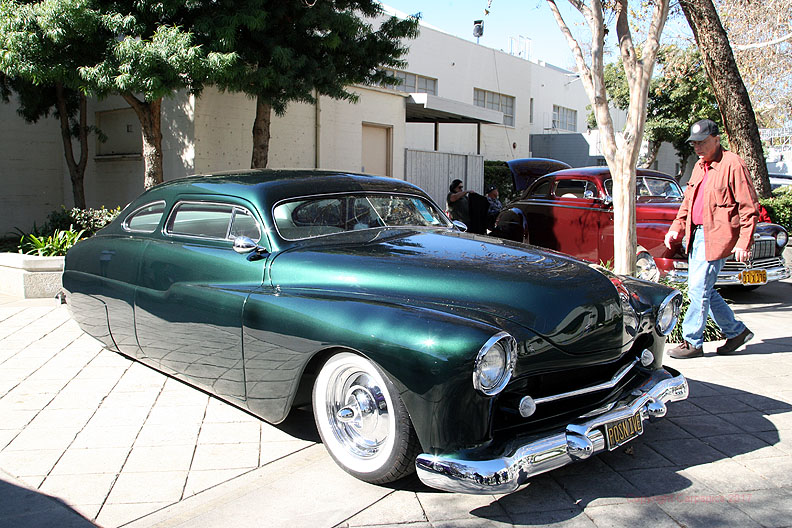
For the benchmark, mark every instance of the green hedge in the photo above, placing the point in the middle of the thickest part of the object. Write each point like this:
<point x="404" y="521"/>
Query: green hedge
<point x="62" y="229"/>
<point x="711" y="331"/>
<point x="780" y="207"/>
<point x="497" y="173"/>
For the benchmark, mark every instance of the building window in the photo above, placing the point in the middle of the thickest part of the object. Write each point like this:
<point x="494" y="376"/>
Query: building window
<point x="564" y="118"/>
<point x="413" y="83"/>
<point x="530" y="111"/>
<point x="496" y="101"/>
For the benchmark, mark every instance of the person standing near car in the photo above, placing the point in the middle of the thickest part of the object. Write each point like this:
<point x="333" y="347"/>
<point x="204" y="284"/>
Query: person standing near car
<point x="457" y="202"/>
<point x="718" y="216"/>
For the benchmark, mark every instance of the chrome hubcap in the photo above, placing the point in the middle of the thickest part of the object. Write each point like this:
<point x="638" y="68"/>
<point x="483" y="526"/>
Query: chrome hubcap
<point x="358" y="412"/>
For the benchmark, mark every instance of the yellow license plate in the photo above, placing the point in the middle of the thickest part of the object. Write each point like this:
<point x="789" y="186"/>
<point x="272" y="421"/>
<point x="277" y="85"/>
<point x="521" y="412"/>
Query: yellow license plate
<point x="753" y="277"/>
<point x="624" y="430"/>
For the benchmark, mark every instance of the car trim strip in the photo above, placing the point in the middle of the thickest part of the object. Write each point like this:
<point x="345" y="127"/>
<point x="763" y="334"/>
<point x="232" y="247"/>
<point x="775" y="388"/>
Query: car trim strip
<point x="620" y="374"/>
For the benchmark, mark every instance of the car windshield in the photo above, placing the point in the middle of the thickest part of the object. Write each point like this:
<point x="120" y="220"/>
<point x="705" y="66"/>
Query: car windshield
<point x="648" y="187"/>
<point x="325" y="215"/>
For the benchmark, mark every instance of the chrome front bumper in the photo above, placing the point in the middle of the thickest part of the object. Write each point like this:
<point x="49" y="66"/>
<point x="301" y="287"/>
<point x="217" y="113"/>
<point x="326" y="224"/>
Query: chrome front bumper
<point x="578" y="441"/>
<point x="732" y="277"/>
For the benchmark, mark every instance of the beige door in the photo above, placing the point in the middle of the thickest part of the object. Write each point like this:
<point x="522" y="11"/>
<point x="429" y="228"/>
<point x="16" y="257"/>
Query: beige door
<point x="376" y="155"/>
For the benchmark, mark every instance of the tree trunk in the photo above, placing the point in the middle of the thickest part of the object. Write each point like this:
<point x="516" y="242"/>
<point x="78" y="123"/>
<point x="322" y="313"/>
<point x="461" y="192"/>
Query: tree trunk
<point x="654" y="149"/>
<point x="150" y="116"/>
<point x="76" y="169"/>
<point x="683" y="161"/>
<point x="261" y="134"/>
<point x="733" y="100"/>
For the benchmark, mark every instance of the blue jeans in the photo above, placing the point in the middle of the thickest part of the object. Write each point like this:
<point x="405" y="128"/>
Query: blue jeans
<point x="704" y="299"/>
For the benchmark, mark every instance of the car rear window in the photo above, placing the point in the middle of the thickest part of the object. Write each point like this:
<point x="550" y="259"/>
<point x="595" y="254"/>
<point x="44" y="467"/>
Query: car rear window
<point x="145" y="219"/>
<point x="319" y="216"/>
<point x="214" y="221"/>
<point x="575" y="189"/>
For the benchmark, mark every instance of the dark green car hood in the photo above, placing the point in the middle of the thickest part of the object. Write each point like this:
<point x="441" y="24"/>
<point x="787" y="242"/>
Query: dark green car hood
<point x="561" y="299"/>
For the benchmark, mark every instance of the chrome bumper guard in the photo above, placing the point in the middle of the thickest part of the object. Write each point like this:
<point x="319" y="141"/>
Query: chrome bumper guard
<point x="580" y="440"/>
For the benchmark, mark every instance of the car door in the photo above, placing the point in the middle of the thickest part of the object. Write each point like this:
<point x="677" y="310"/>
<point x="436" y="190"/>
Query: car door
<point x="578" y="213"/>
<point x="192" y="289"/>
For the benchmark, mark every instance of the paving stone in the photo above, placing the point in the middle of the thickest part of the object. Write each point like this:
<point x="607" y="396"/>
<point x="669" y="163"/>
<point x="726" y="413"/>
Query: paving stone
<point x="226" y="456"/>
<point x="706" y="511"/>
<point x="568" y="518"/>
<point x="771" y="508"/>
<point x="777" y="470"/>
<point x="686" y="451"/>
<point x="542" y="493"/>
<point x="743" y="445"/>
<point x="143" y="459"/>
<point x="397" y="508"/>
<point x="635" y="455"/>
<point x="719" y="404"/>
<point x="441" y="506"/>
<point x="230" y="433"/>
<point x="754" y="421"/>
<point x="764" y="403"/>
<point x="153" y="486"/>
<point x="705" y="425"/>
<point x="661" y="484"/>
<point x="634" y="513"/>
<point x="201" y="480"/>
<point x="82" y="461"/>
<point x="727" y="476"/>
<point x="664" y="429"/>
<point x="121" y="514"/>
<point x="85" y="489"/>
<point x="597" y="488"/>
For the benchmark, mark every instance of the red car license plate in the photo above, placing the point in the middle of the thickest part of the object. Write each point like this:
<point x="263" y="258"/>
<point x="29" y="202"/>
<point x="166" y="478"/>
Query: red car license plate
<point x="622" y="431"/>
<point x="753" y="277"/>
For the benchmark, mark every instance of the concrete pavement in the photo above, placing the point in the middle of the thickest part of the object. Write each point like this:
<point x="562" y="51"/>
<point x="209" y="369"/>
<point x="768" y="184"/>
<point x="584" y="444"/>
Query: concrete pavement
<point x="88" y="437"/>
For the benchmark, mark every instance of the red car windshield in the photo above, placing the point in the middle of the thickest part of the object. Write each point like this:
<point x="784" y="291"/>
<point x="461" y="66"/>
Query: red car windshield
<point x="648" y="187"/>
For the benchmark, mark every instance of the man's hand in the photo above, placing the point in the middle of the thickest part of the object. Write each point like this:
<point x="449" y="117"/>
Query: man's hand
<point x="742" y="255"/>
<point x="670" y="237"/>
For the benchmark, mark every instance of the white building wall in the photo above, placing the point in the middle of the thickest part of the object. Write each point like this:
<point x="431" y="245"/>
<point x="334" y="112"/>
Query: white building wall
<point x="31" y="170"/>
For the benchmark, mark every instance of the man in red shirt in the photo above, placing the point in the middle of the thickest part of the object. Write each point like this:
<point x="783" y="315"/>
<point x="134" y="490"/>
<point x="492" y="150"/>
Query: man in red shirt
<point x="718" y="217"/>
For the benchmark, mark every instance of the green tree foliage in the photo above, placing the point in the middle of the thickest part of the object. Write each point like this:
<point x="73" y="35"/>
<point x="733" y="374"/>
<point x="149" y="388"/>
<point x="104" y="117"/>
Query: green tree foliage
<point x="152" y="53"/>
<point x="679" y="96"/>
<point x="33" y="37"/>
<point x="293" y="50"/>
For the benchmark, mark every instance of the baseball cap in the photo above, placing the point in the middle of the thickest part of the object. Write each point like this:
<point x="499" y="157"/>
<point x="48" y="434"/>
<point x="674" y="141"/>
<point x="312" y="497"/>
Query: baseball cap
<point x="703" y="129"/>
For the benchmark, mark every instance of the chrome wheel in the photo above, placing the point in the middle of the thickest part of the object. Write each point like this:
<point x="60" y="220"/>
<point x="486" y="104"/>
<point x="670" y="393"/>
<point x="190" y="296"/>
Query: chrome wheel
<point x="362" y="421"/>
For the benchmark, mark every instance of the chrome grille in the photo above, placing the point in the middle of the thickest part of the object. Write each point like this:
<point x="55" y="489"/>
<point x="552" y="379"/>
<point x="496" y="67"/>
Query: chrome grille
<point x="763" y="248"/>
<point x="762" y="263"/>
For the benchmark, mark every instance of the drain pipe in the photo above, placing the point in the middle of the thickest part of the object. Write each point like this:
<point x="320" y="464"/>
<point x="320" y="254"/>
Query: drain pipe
<point x="317" y="131"/>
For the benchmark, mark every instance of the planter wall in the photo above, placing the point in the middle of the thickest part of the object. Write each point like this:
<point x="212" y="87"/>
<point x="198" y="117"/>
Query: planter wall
<point x="30" y="276"/>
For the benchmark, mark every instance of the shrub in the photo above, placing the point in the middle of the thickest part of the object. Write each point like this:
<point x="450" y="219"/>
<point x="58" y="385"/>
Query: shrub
<point x="89" y="220"/>
<point x="779" y="206"/>
<point x="711" y="331"/>
<point x="54" y="245"/>
<point x="497" y="173"/>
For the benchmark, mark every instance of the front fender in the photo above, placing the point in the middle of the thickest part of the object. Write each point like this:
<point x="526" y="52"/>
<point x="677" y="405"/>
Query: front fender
<point x="428" y="354"/>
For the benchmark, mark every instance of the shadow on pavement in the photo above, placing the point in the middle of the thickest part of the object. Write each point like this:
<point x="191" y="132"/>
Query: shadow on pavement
<point x="719" y="424"/>
<point x="24" y="508"/>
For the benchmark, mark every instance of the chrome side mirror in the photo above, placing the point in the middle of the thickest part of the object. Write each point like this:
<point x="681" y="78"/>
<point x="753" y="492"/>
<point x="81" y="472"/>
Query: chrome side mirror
<point x="243" y="244"/>
<point x="607" y="201"/>
<point x="460" y="225"/>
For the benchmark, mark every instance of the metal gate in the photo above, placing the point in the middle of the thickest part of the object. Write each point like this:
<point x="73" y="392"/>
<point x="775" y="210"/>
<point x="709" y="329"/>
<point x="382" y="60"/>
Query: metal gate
<point x="434" y="171"/>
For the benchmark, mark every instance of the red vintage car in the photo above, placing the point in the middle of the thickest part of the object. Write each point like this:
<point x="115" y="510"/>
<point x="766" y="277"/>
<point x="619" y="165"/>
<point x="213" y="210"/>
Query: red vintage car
<point x="571" y="211"/>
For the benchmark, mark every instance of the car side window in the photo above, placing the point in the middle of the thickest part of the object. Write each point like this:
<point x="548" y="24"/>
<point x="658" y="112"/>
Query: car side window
<point x="215" y="221"/>
<point x="575" y="189"/>
<point x="244" y="224"/>
<point x="543" y="189"/>
<point x="145" y="219"/>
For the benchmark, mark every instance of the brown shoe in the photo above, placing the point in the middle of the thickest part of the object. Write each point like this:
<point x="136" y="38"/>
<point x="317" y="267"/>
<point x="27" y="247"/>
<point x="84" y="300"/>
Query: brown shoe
<point x="685" y="351"/>
<point x="733" y="343"/>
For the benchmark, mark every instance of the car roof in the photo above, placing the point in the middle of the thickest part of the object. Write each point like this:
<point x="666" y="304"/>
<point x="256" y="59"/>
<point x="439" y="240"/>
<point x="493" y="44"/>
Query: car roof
<point x="604" y="172"/>
<point x="264" y="187"/>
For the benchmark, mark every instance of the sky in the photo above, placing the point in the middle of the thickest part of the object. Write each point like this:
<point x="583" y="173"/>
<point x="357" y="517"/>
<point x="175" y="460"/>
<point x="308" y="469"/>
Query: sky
<point x="511" y="25"/>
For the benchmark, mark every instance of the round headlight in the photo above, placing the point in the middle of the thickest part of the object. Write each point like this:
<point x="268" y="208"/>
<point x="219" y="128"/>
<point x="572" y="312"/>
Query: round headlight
<point x="781" y="239"/>
<point x="668" y="312"/>
<point x="646" y="268"/>
<point x="494" y="364"/>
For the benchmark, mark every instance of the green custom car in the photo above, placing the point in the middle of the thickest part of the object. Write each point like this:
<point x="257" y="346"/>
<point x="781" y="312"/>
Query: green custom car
<point x="476" y="361"/>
